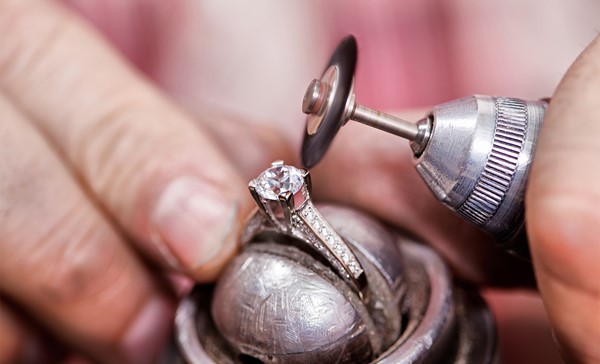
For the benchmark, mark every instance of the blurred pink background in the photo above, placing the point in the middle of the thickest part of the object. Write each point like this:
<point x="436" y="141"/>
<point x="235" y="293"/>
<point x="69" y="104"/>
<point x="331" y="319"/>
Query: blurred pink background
<point x="256" y="58"/>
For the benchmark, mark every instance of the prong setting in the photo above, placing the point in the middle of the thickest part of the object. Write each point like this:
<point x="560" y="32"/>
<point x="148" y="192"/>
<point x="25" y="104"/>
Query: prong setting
<point x="282" y="194"/>
<point x="307" y="180"/>
<point x="286" y="200"/>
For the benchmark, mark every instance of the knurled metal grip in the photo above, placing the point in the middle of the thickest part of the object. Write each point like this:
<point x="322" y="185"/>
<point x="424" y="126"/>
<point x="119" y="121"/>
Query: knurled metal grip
<point x="495" y="180"/>
<point x="477" y="160"/>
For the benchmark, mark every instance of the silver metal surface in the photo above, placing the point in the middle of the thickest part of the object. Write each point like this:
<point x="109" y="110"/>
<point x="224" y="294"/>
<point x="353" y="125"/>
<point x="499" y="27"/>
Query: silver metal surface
<point x="315" y="104"/>
<point x="319" y="97"/>
<point x="276" y="303"/>
<point x="385" y="122"/>
<point x="262" y="309"/>
<point x="477" y="158"/>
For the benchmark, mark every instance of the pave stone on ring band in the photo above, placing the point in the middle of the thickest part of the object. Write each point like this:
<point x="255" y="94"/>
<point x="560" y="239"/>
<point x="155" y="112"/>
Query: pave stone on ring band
<point x="282" y="193"/>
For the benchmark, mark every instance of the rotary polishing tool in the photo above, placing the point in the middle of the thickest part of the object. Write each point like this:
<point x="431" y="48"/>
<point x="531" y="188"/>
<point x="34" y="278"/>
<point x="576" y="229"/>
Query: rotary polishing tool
<point x="473" y="153"/>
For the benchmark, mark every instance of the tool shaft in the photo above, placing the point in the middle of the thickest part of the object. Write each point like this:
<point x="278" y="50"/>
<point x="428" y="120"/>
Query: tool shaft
<point x="385" y="122"/>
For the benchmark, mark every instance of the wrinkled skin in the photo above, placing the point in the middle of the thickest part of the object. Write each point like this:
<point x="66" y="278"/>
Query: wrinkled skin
<point x="117" y="180"/>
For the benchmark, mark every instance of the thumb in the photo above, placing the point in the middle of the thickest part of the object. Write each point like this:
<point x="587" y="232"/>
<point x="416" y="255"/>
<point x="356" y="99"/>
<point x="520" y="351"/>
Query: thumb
<point x="562" y="209"/>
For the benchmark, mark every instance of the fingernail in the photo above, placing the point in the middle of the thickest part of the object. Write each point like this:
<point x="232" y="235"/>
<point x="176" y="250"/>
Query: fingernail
<point x="149" y="332"/>
<point x="195" y="220"/>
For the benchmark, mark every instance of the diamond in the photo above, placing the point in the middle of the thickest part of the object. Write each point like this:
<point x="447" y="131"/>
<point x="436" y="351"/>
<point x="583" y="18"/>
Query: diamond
<point x="345" y="258"/>
<point x="277" y="180"/>
<point x="310" y="216"/>
<point x="316" y="225"/>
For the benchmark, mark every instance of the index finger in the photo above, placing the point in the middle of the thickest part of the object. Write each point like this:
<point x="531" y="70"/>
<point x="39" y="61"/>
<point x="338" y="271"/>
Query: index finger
<point x="156" y="172"/>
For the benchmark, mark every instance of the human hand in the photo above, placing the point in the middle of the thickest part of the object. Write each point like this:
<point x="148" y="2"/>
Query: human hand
<point x="355" y="157"/>
<point x="104" y="184"/>
<point x="563" y="213"/>
<point x="562" y="216"/>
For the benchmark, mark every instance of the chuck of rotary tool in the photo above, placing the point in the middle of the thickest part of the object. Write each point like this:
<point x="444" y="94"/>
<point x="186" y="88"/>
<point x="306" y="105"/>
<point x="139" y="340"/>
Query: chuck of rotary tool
<point x="476" y="160"/>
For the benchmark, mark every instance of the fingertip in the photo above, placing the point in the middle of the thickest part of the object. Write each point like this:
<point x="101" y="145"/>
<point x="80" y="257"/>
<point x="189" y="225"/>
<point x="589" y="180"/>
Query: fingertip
<point x="563" y="219"/>
<point x="198" y="222"/>
<point x="211" y="269"/>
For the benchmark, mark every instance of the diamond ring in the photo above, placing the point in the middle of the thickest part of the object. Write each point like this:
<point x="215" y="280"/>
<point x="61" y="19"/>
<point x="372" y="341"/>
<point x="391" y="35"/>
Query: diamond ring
<point x="282" y="193"/>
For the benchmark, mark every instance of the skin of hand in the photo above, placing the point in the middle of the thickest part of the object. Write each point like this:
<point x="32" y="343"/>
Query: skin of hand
<point x="563" y="213"/>
<point x="96" y="147"/>
<point x="104" y="184"/>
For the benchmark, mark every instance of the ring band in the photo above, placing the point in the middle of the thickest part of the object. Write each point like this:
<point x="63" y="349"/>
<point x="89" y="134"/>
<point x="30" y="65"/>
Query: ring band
<point x="282" y="193"/>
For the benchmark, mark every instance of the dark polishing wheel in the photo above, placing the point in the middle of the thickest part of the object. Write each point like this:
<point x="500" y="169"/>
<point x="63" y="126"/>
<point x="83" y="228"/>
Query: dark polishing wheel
<point x="344" y="61"/>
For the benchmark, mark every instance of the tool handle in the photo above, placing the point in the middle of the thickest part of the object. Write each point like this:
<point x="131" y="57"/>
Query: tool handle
<point x="477" y="162"/>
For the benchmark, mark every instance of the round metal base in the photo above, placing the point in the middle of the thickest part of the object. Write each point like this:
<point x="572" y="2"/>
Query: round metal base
<point x="438" y="320"/>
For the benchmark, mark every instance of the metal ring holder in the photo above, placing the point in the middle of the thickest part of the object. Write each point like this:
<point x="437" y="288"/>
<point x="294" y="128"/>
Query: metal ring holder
<point x="278" y="303"/>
